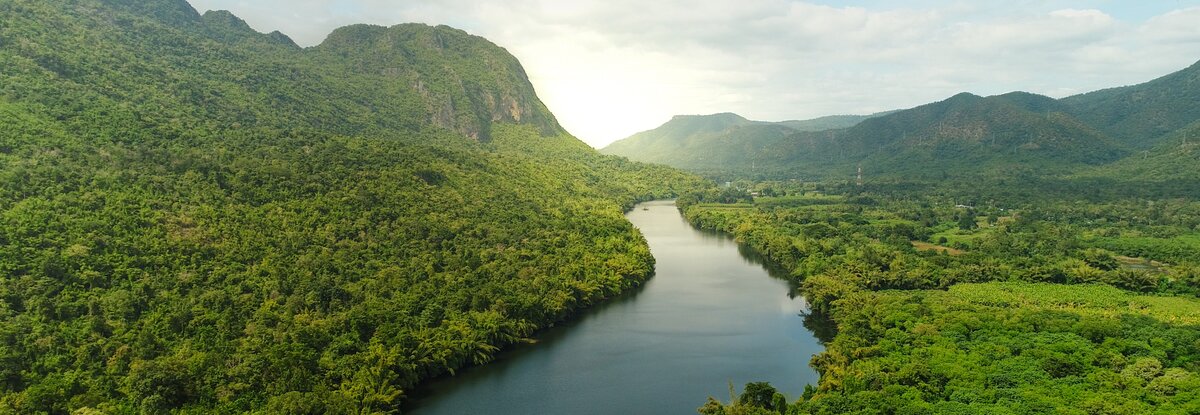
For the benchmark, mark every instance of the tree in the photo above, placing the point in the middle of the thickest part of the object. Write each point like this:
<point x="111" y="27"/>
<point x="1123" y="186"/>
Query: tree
<point x="966" y="221"/>
<point x="712" y="407"/>
<point x="758" y="394"/>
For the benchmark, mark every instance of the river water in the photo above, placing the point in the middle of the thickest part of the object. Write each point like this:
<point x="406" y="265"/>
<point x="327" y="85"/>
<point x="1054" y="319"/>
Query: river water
<point x="711" y="315"/>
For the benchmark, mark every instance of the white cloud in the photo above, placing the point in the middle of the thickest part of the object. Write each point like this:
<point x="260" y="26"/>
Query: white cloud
<point x="611" y="68"/>
<point x="1178" y="26"/>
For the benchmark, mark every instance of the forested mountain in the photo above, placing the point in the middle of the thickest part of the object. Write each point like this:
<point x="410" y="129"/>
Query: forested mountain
<point x="706" y="142"/>
<point x="195" y="216"/>
<point x="829" y="122"/>
<point x="1175" y="159"/>
<point x="1142" y="115"/>
<point x="699" y="141"/>
<point x="964" y="136"/>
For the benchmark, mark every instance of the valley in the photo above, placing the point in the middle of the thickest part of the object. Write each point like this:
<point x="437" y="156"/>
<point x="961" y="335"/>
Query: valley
<point x="200" y="217"/>
<point x="712" y="314"/>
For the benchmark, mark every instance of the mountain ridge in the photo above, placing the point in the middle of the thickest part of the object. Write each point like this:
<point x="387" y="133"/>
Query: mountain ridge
<point x="684" y="135"/>
<point x="226" y="26"/>
<point x="1140" y="115"/>
<point x="962" y="135"/>
<point x="497" y="91"/>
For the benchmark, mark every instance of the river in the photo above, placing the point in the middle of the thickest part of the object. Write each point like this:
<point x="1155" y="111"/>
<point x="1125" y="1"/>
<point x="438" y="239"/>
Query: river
<point x="712" y="314"/>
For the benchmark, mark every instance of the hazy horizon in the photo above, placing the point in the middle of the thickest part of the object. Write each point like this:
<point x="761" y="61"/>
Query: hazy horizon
<point x="611" y="69"/>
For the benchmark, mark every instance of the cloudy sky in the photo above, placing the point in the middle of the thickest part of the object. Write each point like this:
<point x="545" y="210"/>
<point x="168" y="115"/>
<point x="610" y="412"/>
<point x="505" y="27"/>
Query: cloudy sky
<point x="610" y="68"/>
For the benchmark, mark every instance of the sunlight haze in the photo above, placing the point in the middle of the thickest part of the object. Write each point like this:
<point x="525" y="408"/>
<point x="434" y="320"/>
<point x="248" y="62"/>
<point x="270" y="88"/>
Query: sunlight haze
<point x="589" y="207"/>
<point x="608" y="69"/>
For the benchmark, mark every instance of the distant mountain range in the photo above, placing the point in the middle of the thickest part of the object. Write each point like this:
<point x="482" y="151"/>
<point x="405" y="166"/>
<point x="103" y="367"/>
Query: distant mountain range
<point x="700" y="142"/>
<point x="962" y="136"/>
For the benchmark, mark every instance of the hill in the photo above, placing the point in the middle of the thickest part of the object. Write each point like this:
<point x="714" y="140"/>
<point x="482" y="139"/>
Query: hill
<point x="829" y="122"/>
<point x="1141" y="116"/>
<point x="198" y="217"/>
<point x="1175" y="161"/>
<point x="707" y="143"/>
<point x="681" y="131"/>
<point x="963" y="137"/>
<point x="968" y="135"/>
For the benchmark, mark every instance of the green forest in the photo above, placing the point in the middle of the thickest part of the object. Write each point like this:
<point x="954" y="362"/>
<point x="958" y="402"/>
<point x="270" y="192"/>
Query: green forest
<point x="1041" y="306"/>
<point x="1005" y="254"/>
<point x="199" y="218"/>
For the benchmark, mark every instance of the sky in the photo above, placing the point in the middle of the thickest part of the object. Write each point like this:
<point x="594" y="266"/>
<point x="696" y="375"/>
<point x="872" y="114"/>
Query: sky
<point x="611" y="68"/>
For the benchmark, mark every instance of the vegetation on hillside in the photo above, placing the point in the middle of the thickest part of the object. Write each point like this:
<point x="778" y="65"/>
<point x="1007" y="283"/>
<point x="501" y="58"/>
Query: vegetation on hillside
<point x="1141" y="116"/>
<point x="962" y="138"/>
<point x="1172" y="162"/>
<point x="199" y="218"/>
<point x="1006" y="254"/>
<point x="717" y="143"/>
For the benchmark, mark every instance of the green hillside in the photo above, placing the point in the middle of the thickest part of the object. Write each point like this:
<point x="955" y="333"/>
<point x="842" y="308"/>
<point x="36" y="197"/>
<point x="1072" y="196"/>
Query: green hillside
<point x="720" y="142"/>
<point x="669" y="140"/>
<point x="962" y="137"/>
<point x="968" y="135"/>
<point x="196" y="217"/>
<point x="829" y="122"/>
<point x="1142" y="115"/>
<point x="1174" y="160"/>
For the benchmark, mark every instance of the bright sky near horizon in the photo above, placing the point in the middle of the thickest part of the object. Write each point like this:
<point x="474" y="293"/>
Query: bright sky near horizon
<point x="611" y="68"/>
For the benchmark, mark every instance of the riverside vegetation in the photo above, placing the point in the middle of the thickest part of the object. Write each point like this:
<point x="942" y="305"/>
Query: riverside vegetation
<point x="1049" y="306"/>
<point x="199" y="218"/>
<point x="1004" y="254"/>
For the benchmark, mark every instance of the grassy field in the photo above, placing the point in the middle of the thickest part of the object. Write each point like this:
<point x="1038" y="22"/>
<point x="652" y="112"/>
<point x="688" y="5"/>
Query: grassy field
<point x="1182" y="248"/>
<point x="1141" y="264"/>
<point x="798" y="201"/>
<point x="955" y="236"/>
<point x="926" y="246"/>
<point x="1097" y="300"/>
<point x="726" y="206"/>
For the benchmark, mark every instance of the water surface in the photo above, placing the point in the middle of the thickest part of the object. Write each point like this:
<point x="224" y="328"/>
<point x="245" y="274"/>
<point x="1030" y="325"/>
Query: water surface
<point x="712" y="314"/>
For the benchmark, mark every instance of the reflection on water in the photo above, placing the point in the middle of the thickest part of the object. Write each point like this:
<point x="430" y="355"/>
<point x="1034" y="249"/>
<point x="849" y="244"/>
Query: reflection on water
<point x="775" y="271"/>
<point x="821" y="326"/>
<point x="714" y="313"/>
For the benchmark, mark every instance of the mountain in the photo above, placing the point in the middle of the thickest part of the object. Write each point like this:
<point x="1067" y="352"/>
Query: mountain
<point x="1142" y="115"/>
<point x="700" y="142"/>
<point x="964" y="136"/>
<point x="1174" y="161"/>
<point x="466" y="82"/>
<point x="196" y="217"/>
<point x="968" y="135"/>
<point x="228" y="28"/>
<point x="829" y="122"/>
